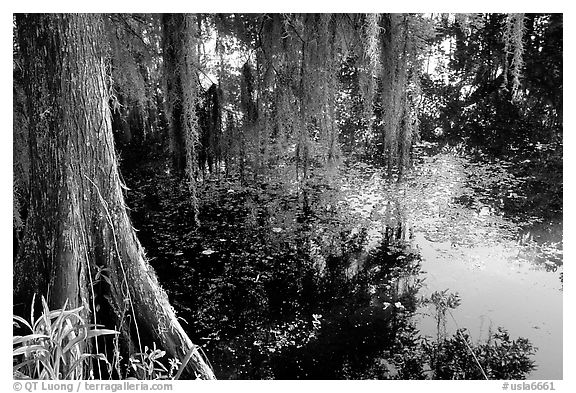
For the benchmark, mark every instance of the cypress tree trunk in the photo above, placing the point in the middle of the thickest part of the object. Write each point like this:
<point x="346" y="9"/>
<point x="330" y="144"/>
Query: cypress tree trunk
<point x="77" y="221"/>
<point x="180" y="58"/>
<point x="173" y="25"/>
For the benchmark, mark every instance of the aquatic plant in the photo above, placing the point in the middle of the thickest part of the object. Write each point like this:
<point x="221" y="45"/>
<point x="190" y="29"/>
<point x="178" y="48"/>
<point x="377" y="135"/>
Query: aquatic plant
<point x="499" y="357"/>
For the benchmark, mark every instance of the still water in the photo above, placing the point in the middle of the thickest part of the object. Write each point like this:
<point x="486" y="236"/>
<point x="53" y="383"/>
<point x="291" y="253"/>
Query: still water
<point x="284" y="283"/>
<point x="507" y="273"/>
<point x="497" y="289"/>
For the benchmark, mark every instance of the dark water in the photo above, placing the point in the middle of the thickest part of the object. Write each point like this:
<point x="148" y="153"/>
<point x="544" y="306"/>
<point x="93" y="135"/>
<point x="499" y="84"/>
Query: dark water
<point x="325" y="282"/>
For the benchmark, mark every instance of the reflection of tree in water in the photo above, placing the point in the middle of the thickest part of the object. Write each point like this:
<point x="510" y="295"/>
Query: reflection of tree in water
<point x="261" y="301"/>
<point x="276" y="292"/>
<point x="361" y="318"/>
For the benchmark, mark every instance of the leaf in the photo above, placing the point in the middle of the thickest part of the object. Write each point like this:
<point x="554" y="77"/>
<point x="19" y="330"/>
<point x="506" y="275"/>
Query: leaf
<point x="399" y="305"/>
<point x="48" y="370"/>
<point x="157" y="354"/>
<point x="76" y="340"/>
<point x="23" y="321"/>
<point x="21" y="339"/>
<point x="78" y="362"/>
<point x="27" y="349"/>
<point x="31" y="314"/>
<point x="100" y="332"/>
<point x="23" y="364"/>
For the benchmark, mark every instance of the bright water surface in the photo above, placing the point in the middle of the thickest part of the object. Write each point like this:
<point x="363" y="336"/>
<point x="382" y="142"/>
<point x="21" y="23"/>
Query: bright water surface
<point x="505" y="275"/>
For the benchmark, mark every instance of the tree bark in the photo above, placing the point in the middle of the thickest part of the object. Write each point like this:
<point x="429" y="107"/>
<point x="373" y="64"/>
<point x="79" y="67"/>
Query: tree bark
<point x="182" y="83"/>
<point x="172" y="39"/>
<point x="77" y="222"/>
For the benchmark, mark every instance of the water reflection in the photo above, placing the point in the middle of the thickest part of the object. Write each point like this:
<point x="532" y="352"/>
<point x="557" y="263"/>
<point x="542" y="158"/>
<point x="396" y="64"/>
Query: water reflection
<point x="325" y="281"/>
<point x="507" y="273"/>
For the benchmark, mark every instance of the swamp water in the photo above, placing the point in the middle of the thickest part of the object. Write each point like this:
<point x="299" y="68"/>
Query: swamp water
<point x="505" y="274"/>
<point x="327" y="283"/>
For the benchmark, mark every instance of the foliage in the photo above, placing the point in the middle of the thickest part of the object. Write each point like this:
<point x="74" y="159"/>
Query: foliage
<point x="405" y="40"/>
<point x="55" y="346"/>
<point x="58" y="343"/>
<point x="147" y="365"/>
<point x="289" y="63"/>
<point x="442" y="301"/>
<point x="456" y="356"/>
<point x="490" y="90"/>
<point x="500" y="357"/>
